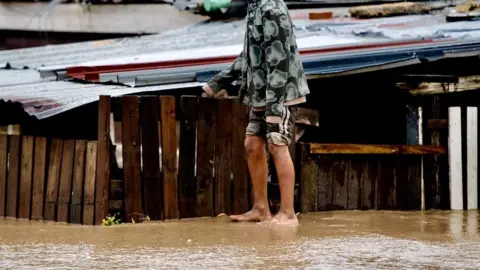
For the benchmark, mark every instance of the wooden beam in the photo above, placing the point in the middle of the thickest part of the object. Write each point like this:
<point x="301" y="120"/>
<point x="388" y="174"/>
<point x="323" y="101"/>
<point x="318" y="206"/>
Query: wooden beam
<point x="437" y="123"/>
<point x="466" y="83"/>
<point x="373" y="149"/>
<point x="455" y="158"/>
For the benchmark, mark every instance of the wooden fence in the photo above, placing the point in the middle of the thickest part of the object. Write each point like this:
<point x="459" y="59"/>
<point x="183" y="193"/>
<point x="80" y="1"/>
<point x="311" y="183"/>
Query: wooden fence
<point x="349" y="177"/>
<point x="50" y="179"/>
<point x="211" y="175"/>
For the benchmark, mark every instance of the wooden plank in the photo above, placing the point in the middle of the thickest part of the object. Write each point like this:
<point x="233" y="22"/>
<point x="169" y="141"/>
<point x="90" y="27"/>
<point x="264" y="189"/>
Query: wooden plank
<point x="308" y="178"/>
<point x="26" y="175"/>
<point x="376" y="149"/>
<point x="151" y="157"/>
<point x="54" y="166"/>
<point x="205" y="156"/>
<point x="340" y="184"/>
<point x="223" y="156"/>
<point x="65" y="187"/>
<point x="131" y="156"/>
<point x="39" y="177"/>
<point x="78" y="181"/>
<point x="370" y="179"/>
<point x="355" y="166"/>
<point x="239" y="160"/>
<point x="169" y="157"/>
<point x="437" y="123"/>
<point x="466" y="83"/>
<point x="455" y="158"/>
<point x="186" y="169"/>
<point x="408" y="190"/>
<point x="386" y="199"/>
<point x="472" y="158"/>
<point x="13" y="174"/>
<point x="89" y="189"/>
<point x="324" y="182"/>
<point x="435" y="172"/>
<point x="3" y="172"/>
<point x="103" y="159"/>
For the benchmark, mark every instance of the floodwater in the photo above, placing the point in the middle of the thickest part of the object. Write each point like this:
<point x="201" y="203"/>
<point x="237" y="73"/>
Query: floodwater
<point x="329" y="240"/>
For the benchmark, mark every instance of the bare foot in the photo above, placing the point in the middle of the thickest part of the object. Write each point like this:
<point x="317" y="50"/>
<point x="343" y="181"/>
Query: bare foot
<point x="281" y="220"/>
<point x="255" y="214"/>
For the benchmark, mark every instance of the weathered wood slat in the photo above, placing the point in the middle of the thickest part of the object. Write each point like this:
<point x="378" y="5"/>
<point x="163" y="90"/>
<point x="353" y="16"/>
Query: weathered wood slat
<point x="26" y="174"/>
<point x="223" y="156"/>
<point x="455" y="158"/>
<point x="369" y="182"/>
<point x="13" y="175"/>
<point x="375" y="149"/>
<point x="186" y="169"/>
<point x="340" y="185"/>
<point x="39" y="177"/>
<point x="89" y="189"/>
<point x="308" y="178"/>
<point x="355" y="168"/>
<point x="3" y="172"/>
<point x="54" y="166"/>
<point x="325" y="183"/>
<point x="408" y="175"/>
<point x="205" y="156"/>
<point x="169" y="158"/>
<point x="103" y="159"/>
<point x="466" y="83"/>
<point x="152" y="181"/>
<point x="239" y="160"/>
<point x="131" y="156"/>
<point x="472" y="157"/>
<point x="386" y="184"/>
<point x="78" y="181"/>
<point x="65" y="187"/>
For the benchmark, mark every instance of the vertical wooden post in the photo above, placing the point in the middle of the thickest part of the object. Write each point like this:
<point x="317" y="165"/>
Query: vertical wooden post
<point x="65" y="187"/>
<point x="308" y="175"/>
<point x="131" y="157"/>
<point x="455" y="158"/>
<point x="414" y="136"/>
<point x="54" y="166"/>
<point x="39" y="174"/>
<point x="13" y="174"/>
<point x="77" y="182"/>
<point x="26" y="175"/>
<point x="169" y="157"/>
<point x="472" y="158"/>
<point x="205" y="155"/>
<point x="3" y="172"/>
<point x="153" y="195"/>
<point x="239" y="160"/>
<point x="186" y="169"/>
<point x="89" y="194"/>
<point x="103" y="159"/>
<point x="223" y="156"/>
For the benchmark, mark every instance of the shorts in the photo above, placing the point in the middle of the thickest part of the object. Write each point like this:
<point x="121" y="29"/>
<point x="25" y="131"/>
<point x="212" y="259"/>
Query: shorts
<point x="274" y="133"/>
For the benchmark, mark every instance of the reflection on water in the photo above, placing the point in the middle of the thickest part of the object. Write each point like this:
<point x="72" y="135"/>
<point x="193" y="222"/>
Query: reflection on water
<point x="354" y="239"/>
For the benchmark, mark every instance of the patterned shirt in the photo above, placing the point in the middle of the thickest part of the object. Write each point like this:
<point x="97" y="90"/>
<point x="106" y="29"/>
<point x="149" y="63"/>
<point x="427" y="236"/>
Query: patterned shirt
<point x="269" y="67"/>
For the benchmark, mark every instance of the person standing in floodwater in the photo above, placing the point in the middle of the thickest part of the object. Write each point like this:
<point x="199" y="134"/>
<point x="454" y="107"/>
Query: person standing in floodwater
<point x="273" y="83"/>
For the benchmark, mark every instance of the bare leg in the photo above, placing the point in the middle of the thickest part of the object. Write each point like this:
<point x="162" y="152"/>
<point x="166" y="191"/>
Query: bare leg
<point x="286" y="178"/>
<point x="257" y="165"/>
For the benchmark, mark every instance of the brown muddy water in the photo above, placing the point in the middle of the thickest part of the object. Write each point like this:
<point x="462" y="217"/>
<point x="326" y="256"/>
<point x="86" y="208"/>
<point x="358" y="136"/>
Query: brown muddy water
<point x="329" y="240"/>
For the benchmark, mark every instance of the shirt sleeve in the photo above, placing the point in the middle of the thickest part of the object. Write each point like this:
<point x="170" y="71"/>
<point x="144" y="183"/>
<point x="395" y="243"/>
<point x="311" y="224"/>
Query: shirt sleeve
<point x="227" y="76"/>
<point x="277" y="31"/>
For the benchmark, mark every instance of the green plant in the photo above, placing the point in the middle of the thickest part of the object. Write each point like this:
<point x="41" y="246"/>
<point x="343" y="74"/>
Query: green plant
<point x="111" y="220"/>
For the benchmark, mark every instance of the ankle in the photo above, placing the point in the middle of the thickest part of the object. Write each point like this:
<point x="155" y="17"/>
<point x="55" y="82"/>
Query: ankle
<point x="261" y="207"/>
<point x="288" y="212"/>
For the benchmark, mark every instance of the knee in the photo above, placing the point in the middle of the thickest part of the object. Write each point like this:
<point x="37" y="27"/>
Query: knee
<point x="254" y="145"/>
<point x="274" y="149"/>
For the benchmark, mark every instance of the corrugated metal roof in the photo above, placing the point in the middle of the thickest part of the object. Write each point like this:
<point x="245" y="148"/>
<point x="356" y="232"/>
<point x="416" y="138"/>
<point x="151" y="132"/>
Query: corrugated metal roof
<point x="43" y="98"/>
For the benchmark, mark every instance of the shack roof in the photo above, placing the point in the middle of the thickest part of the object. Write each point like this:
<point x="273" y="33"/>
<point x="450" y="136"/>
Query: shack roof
<point x="329" y="47"/>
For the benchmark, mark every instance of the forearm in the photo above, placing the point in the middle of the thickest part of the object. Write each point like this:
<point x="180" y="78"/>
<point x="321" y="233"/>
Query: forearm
<point x="223" y="79"/>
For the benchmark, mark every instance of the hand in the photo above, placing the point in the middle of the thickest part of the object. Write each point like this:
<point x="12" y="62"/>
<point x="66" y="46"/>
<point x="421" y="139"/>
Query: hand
<point x="210" y="94"/>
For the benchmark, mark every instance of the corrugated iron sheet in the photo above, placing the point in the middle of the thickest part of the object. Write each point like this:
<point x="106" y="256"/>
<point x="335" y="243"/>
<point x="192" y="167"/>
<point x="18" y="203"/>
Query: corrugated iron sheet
<point x="43" y="98"/>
